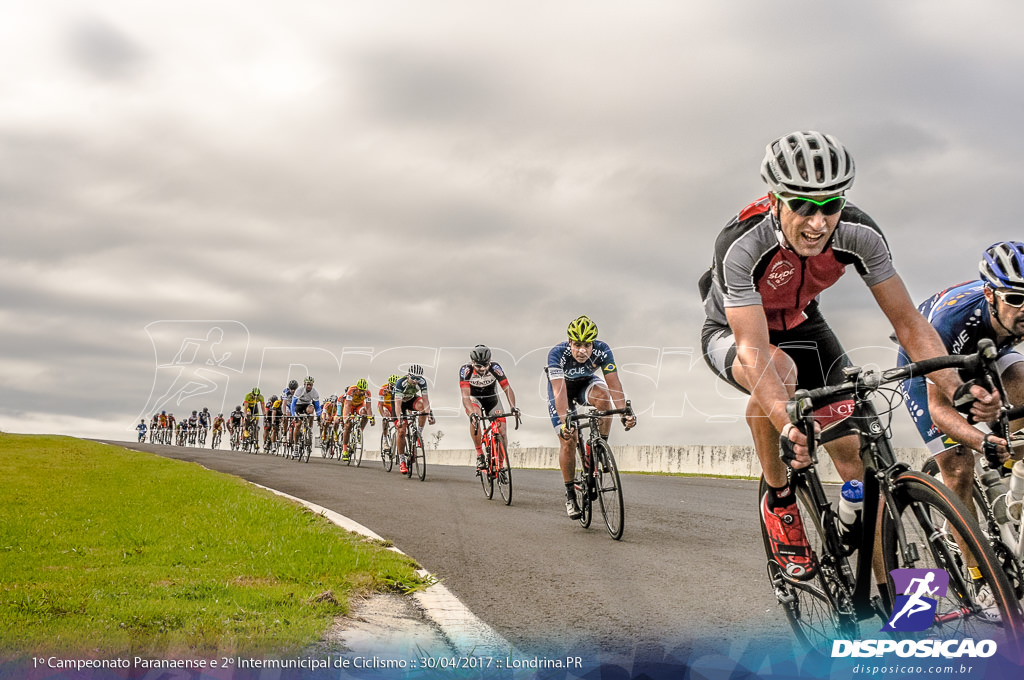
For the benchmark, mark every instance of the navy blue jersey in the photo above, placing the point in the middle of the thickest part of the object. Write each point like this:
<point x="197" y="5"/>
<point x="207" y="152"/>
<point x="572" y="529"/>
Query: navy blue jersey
<point x="961" y="317"/>
<point x="561" y="363"/>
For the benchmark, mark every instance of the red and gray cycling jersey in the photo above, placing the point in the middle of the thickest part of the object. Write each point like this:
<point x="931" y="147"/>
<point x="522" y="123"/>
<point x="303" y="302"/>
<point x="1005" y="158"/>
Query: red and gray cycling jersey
<point x="752" y="267"/>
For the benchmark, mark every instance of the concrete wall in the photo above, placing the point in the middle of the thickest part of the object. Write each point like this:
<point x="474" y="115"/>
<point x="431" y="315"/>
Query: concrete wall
<point x="736" y="460"/>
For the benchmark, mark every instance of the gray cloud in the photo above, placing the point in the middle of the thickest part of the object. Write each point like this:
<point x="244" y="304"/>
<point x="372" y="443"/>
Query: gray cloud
<point x="347" y="181"/>
<point x="102" y="50"/>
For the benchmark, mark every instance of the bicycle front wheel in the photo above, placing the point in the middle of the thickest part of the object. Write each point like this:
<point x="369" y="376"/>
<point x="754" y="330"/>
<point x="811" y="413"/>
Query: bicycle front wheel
<point x="819" y="610"/>
<point x="356" y="450"/>
<point x="931" y="518"/>
<point x="421" y="459"/>
<point x="502" y="469"/>
<point x="609" y="488"/>
<point x="387" y="442"/>
<point x="487" y="474"/>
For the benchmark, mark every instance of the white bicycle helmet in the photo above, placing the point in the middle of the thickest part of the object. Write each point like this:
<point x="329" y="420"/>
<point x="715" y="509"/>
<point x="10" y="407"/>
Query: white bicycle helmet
<point x="807" y="164"/>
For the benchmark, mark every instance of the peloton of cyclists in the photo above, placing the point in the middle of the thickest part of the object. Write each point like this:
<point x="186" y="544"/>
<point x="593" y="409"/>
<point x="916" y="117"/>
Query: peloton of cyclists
<point x="478" y="382"/>
<point x="581" y="370"/>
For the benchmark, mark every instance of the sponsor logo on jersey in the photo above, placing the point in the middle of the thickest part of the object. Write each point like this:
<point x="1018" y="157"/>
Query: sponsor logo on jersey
<point x="781" y="273"/>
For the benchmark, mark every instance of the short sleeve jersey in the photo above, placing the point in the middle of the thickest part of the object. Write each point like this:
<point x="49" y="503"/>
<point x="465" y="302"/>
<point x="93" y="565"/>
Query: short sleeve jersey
<point x="752" y="267"/>
<point x="409" y="388"/>
<point x="562" y="364"/>
<point x="485" y="383"/>
<point x="356" y="396"/>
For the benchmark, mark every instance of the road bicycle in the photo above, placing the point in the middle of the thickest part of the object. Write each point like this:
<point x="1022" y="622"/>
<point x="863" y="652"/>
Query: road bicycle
<point x="303" y="446"/>
<point x="215" y="440"/>
<point x="498" y="467"/>
<point x="355" y="441"/>
<point x="251" y="435"/>
<point x="236" y="438"/>
<point x="387" y="443"/>
<point x="203" y="430"/>
<point x="415" y="455"/>
<point x="328" y="440"/>
<point x="180" y="438"/>
<point x="598" y="475"/>
<point x="918" y="516"/>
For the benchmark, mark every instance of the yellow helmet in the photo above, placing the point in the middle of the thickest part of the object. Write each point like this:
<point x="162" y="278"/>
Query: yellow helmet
<point x="361" y="384"/>
<point x="582" y="329"/>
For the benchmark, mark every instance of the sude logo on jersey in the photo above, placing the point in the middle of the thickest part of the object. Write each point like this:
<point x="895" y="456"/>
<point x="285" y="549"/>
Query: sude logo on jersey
<point x="914" y="610"/>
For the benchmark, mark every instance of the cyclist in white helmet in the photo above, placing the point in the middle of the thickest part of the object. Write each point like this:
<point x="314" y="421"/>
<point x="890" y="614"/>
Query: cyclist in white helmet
<point x="410" y="394"/>
<point x="765" y="335"/>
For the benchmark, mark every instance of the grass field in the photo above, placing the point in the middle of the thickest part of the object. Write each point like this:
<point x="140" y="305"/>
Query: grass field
<point x="105" y="551"/>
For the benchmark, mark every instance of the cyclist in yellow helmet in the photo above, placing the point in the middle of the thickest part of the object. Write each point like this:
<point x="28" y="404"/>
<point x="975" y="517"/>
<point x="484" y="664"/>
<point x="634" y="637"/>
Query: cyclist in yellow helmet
<point x="581" y="370"/>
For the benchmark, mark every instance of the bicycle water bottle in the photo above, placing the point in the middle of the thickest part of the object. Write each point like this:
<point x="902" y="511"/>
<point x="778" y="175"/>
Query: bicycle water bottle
<point x="851" y="502"/>
<point x="995" y="492"/>
<point x="1016" y="489"/>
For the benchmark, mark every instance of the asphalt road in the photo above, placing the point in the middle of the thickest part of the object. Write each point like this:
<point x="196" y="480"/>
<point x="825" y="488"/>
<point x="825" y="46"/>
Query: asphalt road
<point x="687" y="576"/>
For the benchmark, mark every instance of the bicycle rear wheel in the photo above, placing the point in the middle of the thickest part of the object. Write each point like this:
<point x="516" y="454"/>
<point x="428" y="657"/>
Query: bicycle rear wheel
<point x="609" y="488"/>
<point x="487" y="474"/>
<point x="503" y="469"/>
<point x="819" y="610"/>
<point x="928" y="512"/>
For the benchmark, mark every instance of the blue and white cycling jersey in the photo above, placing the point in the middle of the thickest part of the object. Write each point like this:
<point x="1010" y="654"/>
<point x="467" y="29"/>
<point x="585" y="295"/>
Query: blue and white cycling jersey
<point x="562" y="364"/>
<point x="961" y="317"/>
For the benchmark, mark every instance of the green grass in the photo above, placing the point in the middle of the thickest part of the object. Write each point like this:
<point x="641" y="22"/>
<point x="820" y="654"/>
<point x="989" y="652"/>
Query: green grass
<point x="105" y="551"/>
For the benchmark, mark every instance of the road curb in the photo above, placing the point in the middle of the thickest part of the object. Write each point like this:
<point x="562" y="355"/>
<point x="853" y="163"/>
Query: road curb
<point x="461" y="629"/>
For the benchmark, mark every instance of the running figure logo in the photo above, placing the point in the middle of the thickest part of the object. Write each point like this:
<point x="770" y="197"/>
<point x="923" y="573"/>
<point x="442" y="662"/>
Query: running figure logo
<point x="914" y="610"/>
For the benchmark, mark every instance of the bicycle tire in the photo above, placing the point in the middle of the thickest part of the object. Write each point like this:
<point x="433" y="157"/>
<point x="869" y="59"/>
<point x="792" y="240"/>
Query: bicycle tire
<point x="609" y="488"/>
<point x="487" y="474"/>
<point x="819" y="610"/>
<point x="502" y="469"/>
<point x="928" y="511"/>
<point x="358" y="452"/>
<point x="990" y="527"/>
<point x="421" y="458"/>
<point x="387" y="443"/>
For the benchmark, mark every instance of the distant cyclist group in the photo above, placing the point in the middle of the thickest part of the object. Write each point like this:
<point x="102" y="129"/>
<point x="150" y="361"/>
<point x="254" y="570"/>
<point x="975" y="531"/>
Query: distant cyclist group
<point x="581" y="371"/>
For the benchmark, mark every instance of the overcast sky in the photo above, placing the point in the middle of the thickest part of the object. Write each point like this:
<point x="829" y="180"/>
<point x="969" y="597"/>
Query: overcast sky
<point x="200" y="196"/>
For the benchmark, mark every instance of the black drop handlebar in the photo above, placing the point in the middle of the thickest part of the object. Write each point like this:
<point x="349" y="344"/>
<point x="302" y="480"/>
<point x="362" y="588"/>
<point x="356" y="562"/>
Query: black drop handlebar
<point x="860" y="382"/>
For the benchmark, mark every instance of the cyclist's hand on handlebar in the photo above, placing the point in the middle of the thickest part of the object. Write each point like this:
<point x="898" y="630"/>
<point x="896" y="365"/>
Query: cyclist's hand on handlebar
<point x="793" y="447"/>
<point x="566" y="432"/>
<point x="629" y="422"/>
<point x="430" y="418"/>
<point x="977" y="402"/>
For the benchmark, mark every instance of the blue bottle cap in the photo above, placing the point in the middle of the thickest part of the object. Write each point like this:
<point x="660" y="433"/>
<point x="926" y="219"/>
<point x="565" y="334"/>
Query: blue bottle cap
<point x="853" y="491"/>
